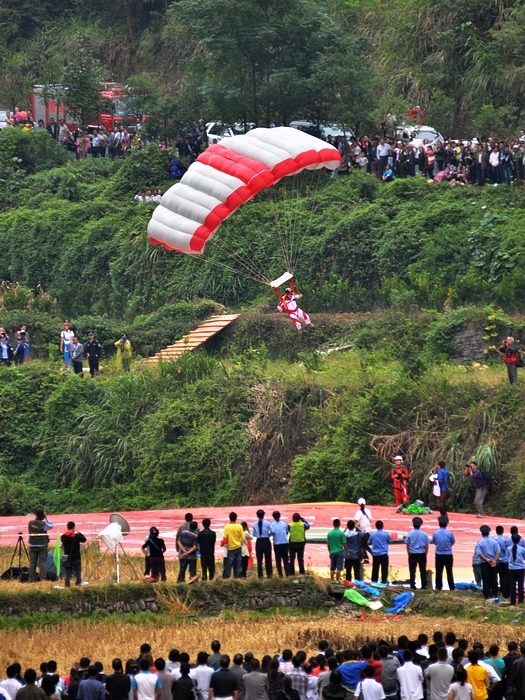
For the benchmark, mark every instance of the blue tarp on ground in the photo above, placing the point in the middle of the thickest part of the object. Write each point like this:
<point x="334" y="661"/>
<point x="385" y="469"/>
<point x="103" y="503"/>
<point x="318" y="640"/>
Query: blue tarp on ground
<point x="400" y="602"/>
<point x="367" y="588"/>
<point x="462" y="586"/>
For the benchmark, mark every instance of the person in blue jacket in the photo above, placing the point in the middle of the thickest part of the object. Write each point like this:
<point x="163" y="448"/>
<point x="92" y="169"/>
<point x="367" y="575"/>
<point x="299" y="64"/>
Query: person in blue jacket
<point x="488" y="550"/>
<point x="380" y="540"/>
<point x="516" y="557"/>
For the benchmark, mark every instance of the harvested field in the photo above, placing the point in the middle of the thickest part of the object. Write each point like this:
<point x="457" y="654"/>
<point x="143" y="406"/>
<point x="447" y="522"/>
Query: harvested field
<point x="103" y="641"/>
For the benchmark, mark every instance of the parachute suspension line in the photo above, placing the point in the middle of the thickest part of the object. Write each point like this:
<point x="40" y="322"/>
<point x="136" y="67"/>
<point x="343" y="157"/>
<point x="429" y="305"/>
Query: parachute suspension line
<point x="313" y="211"/>
<point x="255" y="272"/>
<point x="262" y="266"/>
<point x="219" y="263"/>
<point x="281" y="234"/>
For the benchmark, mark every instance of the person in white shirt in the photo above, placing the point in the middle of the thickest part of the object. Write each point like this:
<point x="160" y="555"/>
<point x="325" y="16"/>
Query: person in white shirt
<point x="410" y="678"/>
<point x="202" y="673"/>
<point x="139" y="197"/>
<point x="461" y="690"/>
<point x="368" y="688"/>
<point x="66" y="339"/>
<point x="146" y="685"/>
<point x="363" y="516"/>
<point x="10" y="685"/>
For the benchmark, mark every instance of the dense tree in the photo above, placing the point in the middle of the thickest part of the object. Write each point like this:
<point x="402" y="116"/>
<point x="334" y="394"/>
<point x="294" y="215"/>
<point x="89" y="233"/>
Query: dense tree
<point x="267" y="61"/>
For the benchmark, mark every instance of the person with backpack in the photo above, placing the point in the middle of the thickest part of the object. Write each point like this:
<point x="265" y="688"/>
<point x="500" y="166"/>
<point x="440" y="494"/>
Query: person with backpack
<point x="481" y="480"/>
<point x="511" y="355"/>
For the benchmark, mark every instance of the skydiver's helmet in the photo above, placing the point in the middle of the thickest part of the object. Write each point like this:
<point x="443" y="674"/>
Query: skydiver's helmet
<point x="288" y="290"/>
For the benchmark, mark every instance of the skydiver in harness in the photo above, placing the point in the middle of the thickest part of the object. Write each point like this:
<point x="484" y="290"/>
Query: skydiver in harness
<point x="288" y="303"/>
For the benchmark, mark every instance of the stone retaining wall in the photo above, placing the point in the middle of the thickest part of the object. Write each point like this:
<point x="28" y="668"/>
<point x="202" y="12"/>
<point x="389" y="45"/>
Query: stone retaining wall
<point x="202" y="598"/>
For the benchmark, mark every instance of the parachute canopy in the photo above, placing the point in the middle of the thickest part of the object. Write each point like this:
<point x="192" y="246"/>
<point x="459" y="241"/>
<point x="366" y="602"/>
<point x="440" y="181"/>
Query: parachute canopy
<point x="225" y="176"/>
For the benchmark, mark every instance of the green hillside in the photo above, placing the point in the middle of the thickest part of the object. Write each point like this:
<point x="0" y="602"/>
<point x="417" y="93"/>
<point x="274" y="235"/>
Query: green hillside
<point x="393" y="272"/>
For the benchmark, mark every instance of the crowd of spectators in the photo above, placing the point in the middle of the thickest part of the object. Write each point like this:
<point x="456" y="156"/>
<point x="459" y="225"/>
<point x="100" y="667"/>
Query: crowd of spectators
<point x="446" y="669"/>
<point x="148" y="196"/>
<point x="478" y="161"/>
<point x="96" y="142"/>
<point x="14" y="351"/>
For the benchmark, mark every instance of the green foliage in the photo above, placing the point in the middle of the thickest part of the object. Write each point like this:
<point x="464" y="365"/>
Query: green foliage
<point x="82" y="77"/>
<point x="24" y="153"/>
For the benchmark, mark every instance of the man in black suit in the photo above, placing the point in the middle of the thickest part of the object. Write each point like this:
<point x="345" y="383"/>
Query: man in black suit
<point x="52" y="128"/>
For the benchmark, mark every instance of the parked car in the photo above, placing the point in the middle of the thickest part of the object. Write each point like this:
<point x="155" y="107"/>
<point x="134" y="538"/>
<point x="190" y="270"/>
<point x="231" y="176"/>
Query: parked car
<point x="218" y="130"/>
<point x="417" y="134"/>
<point x="323" y="130"/>
<point x="3" y="114"/>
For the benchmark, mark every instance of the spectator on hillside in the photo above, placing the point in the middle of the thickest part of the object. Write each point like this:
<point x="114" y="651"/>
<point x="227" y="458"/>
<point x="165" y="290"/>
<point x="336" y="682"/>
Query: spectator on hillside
<point x="93" y="351"/>
<point x="66" y="338"/>
<point x="6" y="351"/>
<point x="510" y="351"/>
<point x="480" y="484"/>
<point x="52" y="129"/>
<point x="77" y="356"/>
<point x="123" y="353"/>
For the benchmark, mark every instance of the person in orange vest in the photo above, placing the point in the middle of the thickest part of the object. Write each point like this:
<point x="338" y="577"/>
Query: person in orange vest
<point x="400" y="475"/>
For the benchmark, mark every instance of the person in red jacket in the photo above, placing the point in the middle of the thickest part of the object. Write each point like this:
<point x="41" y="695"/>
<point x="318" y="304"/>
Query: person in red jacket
<point x="510" y="352"/>
<point x="400" y="475"/>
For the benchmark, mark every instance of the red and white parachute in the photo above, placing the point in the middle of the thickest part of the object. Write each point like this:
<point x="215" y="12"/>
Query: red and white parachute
<point x="228" y="174"/>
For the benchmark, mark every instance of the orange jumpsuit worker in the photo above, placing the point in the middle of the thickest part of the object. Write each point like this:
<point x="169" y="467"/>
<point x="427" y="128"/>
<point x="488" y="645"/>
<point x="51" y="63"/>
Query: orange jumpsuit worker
<point x="400" y="475"/>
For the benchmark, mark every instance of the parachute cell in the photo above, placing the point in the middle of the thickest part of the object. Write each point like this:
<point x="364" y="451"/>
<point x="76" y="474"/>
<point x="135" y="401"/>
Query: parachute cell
<point x="226" y="176"/>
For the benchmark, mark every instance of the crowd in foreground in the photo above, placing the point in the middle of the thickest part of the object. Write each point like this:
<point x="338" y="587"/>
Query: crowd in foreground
<point x="446" y="669"/>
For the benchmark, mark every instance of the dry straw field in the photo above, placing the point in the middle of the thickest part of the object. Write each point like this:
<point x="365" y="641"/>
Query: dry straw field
<point x="246" y="631"/>
<point x="103" y="641"/>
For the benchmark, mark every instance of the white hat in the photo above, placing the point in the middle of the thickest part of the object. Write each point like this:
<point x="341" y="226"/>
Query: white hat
<point x="398" y="457"/>
<point x="361" y="502"/>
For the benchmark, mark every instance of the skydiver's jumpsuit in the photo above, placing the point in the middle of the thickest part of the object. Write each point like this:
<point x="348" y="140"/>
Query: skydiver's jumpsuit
<point x="400" y="476"/>
<point x="297" y="315"/>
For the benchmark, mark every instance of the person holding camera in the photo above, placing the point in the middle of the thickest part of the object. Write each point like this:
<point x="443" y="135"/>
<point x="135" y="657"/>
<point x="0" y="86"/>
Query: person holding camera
<point x="124" y="353"/>
<point x="297" y="541"/>
<point x="511" y="355"/>
<point x="38" y="544"/>
<point x="480" y="484"/>
<point x="71" y="541"/>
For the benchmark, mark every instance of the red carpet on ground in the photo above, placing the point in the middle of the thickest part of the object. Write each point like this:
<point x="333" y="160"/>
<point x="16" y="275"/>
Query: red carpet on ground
<point x="319" y="515"/>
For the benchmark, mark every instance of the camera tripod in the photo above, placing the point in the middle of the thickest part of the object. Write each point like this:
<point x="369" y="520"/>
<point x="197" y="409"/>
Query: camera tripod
<point x="19" y="547"/>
